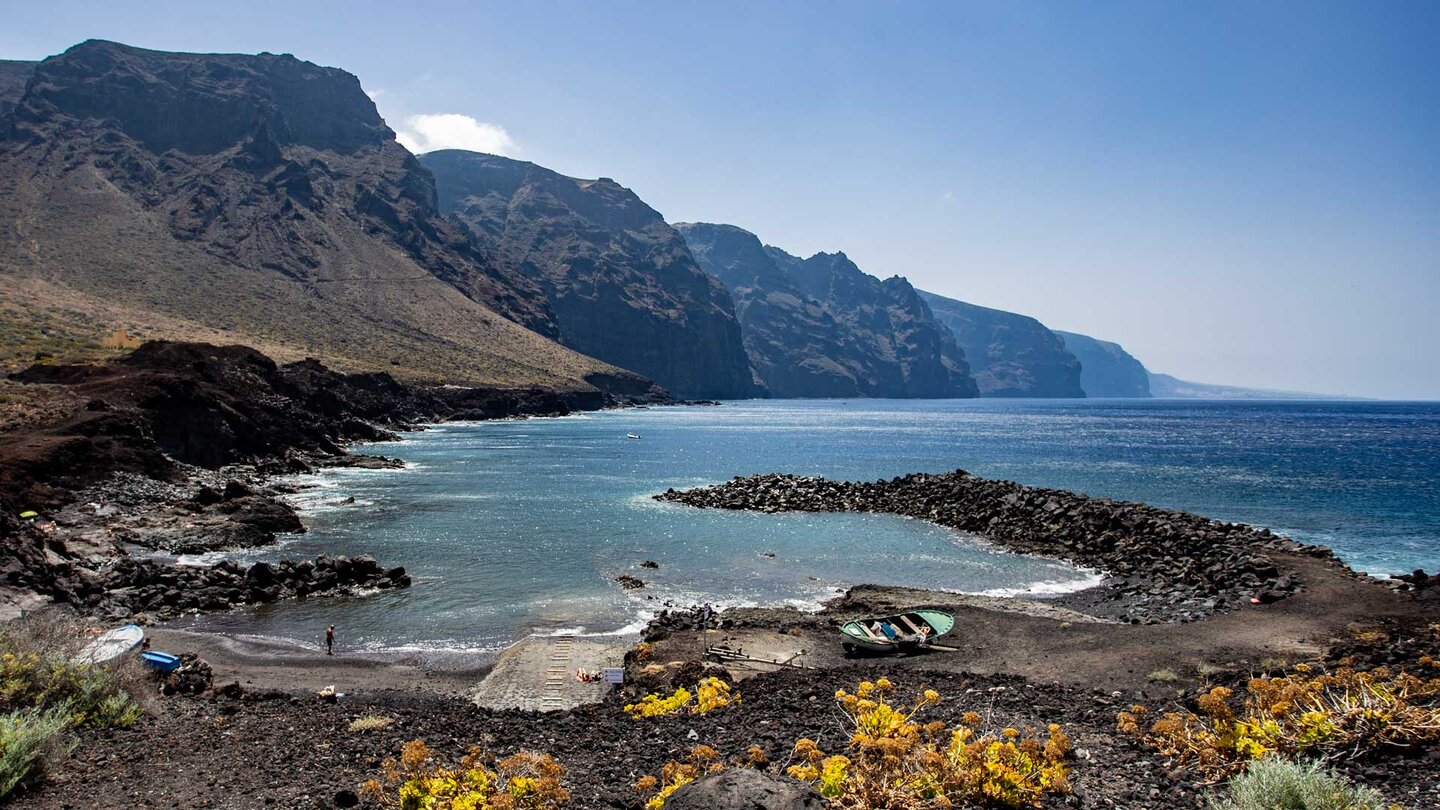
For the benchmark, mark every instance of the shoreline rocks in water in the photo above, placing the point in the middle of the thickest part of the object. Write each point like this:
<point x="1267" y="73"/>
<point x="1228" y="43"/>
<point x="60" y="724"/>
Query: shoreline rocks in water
<point x="168" y="447"/>
<point x="1160" y="564"/>
<point x="163" y="591"/>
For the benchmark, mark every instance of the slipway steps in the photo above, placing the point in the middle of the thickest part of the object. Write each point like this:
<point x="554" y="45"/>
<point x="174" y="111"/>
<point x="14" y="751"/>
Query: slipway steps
<point x="538" y="673"/>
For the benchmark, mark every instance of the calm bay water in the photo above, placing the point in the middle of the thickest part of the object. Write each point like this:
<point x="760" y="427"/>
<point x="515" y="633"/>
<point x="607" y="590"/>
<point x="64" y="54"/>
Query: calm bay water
<point x="514" y="527"/>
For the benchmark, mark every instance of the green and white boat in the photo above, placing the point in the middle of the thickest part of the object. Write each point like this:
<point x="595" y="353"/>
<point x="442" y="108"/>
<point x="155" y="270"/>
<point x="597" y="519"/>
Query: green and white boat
<point x="904" y="632"/>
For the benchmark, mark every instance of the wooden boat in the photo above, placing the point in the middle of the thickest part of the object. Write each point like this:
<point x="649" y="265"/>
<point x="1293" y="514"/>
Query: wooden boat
<point x="111" y="644"/>
<point x="163" y="661"/>
<point x="904" y="632"/>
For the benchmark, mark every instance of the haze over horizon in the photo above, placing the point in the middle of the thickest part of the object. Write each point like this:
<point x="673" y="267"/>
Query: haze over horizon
<point x="1239" y="195"/>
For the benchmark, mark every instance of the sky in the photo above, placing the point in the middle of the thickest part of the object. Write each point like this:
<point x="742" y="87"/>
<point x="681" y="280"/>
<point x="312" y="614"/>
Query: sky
<point x="1238" y="192"/>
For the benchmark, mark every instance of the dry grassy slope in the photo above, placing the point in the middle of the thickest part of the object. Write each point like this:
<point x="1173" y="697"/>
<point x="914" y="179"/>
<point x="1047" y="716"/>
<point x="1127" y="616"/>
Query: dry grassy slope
<point x="247" y="199"/>
<point x="80" y="256"/>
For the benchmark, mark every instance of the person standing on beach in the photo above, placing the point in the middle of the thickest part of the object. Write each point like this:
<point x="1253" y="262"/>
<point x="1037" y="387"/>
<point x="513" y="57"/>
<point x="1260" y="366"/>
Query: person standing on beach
<point x="330" y="640"/>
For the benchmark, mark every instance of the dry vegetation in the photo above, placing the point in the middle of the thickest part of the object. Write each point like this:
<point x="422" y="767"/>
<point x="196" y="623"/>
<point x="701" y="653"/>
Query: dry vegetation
<point x="45" y="693"/>
<point x="419" y="779"/>
<point x="1342" y="714"/>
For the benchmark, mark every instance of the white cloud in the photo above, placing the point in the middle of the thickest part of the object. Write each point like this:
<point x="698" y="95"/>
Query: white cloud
<point x="426" y="133"/>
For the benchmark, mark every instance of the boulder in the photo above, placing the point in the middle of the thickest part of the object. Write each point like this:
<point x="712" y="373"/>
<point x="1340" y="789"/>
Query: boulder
<point x="744" y="789"/>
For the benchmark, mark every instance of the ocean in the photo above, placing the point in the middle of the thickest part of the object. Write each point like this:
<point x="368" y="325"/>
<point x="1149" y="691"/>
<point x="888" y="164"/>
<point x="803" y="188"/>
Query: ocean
<point x="517" y="527"/>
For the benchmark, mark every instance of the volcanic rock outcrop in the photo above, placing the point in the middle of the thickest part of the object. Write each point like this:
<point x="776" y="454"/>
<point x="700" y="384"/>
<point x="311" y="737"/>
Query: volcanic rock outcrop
<point x="13" y="76"/>
<point x="1161" y="565"/>
<point x="1010" y="355"/>
<point x="132" y="436"/>
<point x="1106" y="369"/>
<point x="254" y="199"/>
<point x="133" y="586"/>
<point x="621" y="281"/>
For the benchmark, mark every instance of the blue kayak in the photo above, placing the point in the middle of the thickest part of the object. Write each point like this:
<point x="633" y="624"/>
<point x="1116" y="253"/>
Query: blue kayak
<point x="165" y="662"/>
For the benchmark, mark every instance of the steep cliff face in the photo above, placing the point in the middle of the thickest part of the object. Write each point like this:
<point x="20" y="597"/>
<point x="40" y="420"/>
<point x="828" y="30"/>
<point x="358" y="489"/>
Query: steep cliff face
<point x="1106" y="369"/>
<point x="797" y="348"/>
<point x="256" y="199"/>
<point x="1010" y="355"/>
<point x="13" y="75"/>
<point x="904" y="350"/>
<point x="621" y="282"/>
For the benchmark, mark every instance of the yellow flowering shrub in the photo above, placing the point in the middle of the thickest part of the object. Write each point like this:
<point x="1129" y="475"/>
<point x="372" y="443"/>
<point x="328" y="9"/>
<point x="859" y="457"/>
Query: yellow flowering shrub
<point x="419" y="781"/>
<point x="1341" y="714"/>
<point x="702" y="760"/>
<point x="894" y="761"/>
<point x="710" y="694"/>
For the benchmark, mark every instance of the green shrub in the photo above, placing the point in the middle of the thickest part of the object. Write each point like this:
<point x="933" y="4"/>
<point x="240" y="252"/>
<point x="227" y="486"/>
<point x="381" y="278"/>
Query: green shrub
<point x="44" y="693"/>
<point x="38" y="671"/>
<point x="1277" y="784"/>
<point x="30" y="740"/>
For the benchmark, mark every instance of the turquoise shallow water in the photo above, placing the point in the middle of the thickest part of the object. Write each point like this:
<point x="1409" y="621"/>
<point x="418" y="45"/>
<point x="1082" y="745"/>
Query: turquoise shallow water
<point x="512" y="527"/>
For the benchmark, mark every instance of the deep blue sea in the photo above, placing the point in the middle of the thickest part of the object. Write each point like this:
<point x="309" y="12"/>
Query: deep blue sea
<point x="520" y="526"/>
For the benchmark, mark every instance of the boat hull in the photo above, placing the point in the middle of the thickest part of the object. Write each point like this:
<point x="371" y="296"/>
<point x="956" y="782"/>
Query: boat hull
<point x="912" y="631"/>
<point x="165" y="662"/>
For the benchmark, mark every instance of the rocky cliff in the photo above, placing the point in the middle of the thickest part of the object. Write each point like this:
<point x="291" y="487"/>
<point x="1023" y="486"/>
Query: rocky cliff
<point x="1010" y="355"/>
<point x="903" y="349"/>
<point x="250" y="198"/>
<point x="1106" y="369"/>
<point x="621" y="282"/>
<point x="796" y="346"/>
<point x="13" y="76"/>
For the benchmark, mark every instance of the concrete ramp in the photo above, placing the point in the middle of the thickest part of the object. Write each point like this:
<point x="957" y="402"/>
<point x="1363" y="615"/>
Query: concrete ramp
<point x="538" y="673"/>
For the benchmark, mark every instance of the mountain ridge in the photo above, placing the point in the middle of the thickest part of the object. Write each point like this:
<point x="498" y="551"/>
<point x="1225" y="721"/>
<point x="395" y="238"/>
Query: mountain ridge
<point x="621" y="281"/>
<point x="278" y="211"/>
<point x="822" y="327"/>
<point x="797" y="347"/>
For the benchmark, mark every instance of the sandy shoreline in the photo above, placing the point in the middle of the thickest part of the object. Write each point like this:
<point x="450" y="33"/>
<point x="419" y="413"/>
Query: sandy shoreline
<point x="274" y="665"/>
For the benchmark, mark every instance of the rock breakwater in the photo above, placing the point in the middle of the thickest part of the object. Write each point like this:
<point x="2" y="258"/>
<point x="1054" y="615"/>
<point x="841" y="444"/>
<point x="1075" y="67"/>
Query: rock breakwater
<point x="1159" y="564"/>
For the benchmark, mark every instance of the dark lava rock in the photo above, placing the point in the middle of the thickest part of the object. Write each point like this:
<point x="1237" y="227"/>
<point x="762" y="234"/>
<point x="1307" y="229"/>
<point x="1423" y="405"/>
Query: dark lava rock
<point x="649" y="564"/>
<point x="1162" y="565"/>
<point x="744" y="789"/>
<point x="629" y="583"/>
<point x="192" y="678"/>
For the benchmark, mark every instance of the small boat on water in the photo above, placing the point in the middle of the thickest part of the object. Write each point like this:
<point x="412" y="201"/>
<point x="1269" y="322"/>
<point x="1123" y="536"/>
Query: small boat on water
<point x="111" y="644"/>
<point x="632" y="435"/>
<point x="163" y="661"/>
<point x="904" y="632"/>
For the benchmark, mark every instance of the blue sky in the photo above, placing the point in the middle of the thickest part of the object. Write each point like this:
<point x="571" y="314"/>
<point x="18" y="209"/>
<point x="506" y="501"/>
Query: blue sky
<point x="1239" y="192"/>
